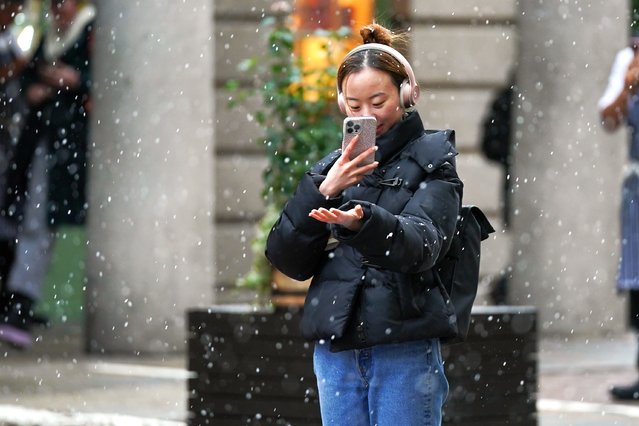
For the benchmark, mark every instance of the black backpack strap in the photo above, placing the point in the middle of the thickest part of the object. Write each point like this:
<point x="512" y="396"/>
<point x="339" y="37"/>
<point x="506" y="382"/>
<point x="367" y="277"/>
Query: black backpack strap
<point x="484" y="223"/>
<point x="459" y="268"/>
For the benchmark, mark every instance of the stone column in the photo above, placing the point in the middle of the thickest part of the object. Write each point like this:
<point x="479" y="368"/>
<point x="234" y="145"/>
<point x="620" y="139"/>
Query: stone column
<point x="567" y="171"/>
<point x="150" y="227"/>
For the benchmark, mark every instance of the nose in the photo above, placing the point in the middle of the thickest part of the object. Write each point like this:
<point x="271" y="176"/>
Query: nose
<point x="366" y="110"/>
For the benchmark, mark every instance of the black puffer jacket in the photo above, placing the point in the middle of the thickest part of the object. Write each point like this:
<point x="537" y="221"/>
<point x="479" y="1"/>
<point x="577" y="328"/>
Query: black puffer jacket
<point x="377" y="285"/>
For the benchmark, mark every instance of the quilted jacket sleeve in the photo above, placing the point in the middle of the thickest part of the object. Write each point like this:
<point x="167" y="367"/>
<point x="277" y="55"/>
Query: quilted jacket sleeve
<point x="296" y="242"/>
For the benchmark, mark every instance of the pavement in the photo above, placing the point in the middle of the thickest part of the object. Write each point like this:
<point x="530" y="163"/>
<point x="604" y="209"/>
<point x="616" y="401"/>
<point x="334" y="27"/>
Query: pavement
<point x="55" y="383"/>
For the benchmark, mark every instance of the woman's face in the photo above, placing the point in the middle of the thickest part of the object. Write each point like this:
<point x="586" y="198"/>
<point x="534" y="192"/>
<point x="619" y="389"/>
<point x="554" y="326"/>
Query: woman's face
<point x="371" y="92"/>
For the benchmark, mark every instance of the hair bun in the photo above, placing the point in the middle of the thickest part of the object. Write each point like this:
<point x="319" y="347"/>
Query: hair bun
<point x="375" y="33"/>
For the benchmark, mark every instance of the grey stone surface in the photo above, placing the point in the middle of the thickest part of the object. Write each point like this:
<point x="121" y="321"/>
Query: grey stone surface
<point x="150" y="226"/>
<point x="239" y="189"/>
<point x="237" y="130"/>
<point x="461" y="109"/>
<point x="447" y="55"/>
<point x="463" y="9"/>
<point x="567" y="172"/>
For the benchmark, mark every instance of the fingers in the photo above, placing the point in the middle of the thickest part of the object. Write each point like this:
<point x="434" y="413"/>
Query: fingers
<point x="359" y="212"/>
<point x="348" y="151"/>
<point x="367" y="169"/>
<point x="336" y="215"/>
<point x="346" y="172"/>
<point x="350" y="147"/>
<point x="351" y="219"/>
<point x="364" y="155"/>
<point x="358" y="167"/>
<point x="324" y="215"/>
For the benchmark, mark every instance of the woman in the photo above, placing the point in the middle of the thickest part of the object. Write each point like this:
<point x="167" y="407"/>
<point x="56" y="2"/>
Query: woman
<point x="375" y="307"/>
<point x="620" y="104"/>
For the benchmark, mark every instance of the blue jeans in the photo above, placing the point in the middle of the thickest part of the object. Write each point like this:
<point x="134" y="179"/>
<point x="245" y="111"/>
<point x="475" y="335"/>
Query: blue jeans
<point x="384" y="385"/>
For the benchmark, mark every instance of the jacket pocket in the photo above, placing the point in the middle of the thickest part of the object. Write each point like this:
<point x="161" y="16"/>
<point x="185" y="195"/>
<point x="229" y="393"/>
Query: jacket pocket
<point x="327" y="309"/>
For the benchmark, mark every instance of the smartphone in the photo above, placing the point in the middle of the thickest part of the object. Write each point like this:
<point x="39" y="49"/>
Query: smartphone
<point x="365" y="127"/>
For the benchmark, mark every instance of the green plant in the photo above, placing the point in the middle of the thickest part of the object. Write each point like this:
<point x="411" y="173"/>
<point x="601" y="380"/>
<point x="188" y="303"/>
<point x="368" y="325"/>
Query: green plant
<point x="299" y="115"/>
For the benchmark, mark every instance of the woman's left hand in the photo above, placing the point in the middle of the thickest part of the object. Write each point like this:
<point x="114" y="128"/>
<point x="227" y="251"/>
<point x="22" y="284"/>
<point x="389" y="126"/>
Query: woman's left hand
<point x="350" y="219"/>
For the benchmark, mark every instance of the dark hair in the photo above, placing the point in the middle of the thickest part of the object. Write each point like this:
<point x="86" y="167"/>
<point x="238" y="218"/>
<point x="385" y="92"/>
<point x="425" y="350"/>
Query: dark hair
<point x="372" y="58"/>
<point x="9" y="2"/>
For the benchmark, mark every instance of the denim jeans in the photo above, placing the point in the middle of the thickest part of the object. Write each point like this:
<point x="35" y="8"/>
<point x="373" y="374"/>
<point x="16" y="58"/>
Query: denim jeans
<point x="384" y="385"/>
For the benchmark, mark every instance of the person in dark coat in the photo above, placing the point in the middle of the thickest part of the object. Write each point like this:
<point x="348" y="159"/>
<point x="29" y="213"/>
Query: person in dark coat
<point x="376" y="308"/>
<point x="12" y="62"/>
<point x="46" y="186"/>
<point x="496" y="146"/>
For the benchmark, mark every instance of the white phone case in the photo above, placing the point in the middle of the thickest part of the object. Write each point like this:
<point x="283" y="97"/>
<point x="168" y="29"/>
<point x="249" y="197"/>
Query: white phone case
<point x="365" y="127"/>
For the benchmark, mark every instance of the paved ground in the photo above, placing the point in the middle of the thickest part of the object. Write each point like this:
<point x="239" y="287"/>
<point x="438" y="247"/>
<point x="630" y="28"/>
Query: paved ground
<point x="574" y="377"/>
<point x="55" y="383"/>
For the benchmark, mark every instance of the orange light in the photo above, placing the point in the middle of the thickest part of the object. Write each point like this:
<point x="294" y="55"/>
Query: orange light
<point x="313" y="15"/>
<point x="355" y="14"/>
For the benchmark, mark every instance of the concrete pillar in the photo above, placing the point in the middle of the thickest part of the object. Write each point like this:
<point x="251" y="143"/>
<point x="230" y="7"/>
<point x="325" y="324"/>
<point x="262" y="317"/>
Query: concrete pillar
<point x="151" y="174"/>
<point x="567" y="171"/>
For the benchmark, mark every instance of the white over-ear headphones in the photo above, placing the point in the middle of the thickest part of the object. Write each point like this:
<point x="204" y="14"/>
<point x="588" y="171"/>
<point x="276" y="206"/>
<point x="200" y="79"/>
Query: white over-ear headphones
<point x="408" y="90"/>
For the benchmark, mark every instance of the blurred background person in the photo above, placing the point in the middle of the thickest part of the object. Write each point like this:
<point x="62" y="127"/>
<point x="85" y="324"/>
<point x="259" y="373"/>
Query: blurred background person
<point x="495" y="145"/>
<point x="46" y="183"/>
<point x="12" y="61"/>
<point x="620" y="104"/>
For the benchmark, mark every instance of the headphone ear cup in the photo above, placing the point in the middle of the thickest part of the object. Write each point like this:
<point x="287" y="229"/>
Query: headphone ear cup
<point x="406" y="94"/>
<point x="341" y="103"/>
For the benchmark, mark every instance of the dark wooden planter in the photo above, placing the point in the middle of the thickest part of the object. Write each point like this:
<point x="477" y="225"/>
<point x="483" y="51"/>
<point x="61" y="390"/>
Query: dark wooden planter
<point x="253" y="368"/>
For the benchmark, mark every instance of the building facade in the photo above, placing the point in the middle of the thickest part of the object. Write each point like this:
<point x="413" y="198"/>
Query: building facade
<point x="561" y="250"/>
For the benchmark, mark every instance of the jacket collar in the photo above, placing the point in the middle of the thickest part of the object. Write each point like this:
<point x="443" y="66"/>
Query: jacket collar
<point x="433" y="149"/>
<point x="398" y="136"/>
<point x="429" y="148"/>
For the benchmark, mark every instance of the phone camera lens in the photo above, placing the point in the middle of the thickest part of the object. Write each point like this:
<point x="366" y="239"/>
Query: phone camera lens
<point x="357" y="127"/>
<point x="349" y="130"/>
<point x="349" y="123"/>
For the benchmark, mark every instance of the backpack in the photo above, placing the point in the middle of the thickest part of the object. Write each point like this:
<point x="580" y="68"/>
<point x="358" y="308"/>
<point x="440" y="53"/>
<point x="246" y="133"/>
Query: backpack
<point x="458" y="269"/>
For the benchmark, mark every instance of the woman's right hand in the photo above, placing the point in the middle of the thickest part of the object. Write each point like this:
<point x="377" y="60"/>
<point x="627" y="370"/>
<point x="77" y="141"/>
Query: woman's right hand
<point x="346" y="172"/>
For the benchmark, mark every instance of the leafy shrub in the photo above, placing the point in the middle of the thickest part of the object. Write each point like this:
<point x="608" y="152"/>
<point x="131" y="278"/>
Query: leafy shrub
<point x="300" y="119"/>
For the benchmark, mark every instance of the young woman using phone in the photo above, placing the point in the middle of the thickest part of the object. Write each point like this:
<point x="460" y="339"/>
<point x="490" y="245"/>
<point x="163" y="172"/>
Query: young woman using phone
<point x="375" y="307"/>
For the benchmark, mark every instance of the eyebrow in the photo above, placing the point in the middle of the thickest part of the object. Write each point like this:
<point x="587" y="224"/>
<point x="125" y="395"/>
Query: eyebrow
<point x="350" y="98"/>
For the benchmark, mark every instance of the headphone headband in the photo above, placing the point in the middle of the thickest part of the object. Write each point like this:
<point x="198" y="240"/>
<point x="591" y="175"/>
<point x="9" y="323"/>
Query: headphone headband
<point x="408" y="91"/>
